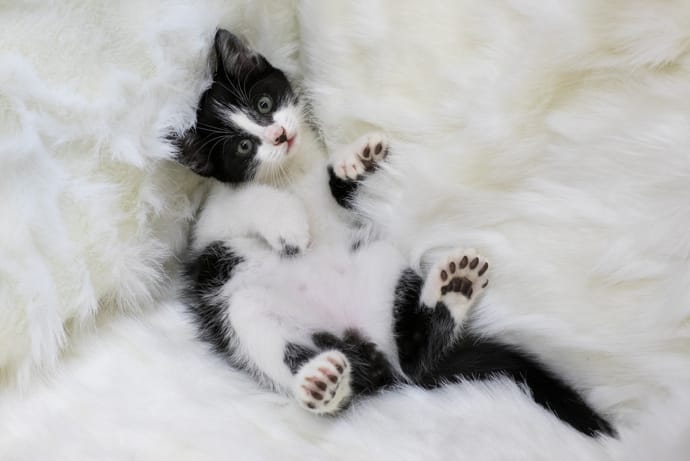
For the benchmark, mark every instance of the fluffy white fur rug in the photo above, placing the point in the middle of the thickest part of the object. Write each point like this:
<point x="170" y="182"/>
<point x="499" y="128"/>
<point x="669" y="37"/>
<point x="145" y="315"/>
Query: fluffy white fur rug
<point x="551" y="135"/>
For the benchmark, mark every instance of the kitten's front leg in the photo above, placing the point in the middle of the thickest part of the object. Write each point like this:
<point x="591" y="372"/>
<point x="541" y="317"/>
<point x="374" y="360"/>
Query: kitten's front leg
<point x="352" y="161"/>
<point x="348" y="165"/>
<point x="277" y="217"/>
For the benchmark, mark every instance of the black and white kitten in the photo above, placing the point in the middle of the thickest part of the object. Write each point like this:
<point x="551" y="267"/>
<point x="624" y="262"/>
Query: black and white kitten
<point x="275" y="285"/>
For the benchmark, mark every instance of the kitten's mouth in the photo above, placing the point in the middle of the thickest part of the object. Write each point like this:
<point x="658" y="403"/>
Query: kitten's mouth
<point x="291" y="142"/>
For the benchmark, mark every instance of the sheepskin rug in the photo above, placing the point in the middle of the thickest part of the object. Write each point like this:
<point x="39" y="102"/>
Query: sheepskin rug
<point x="552" y="136"/>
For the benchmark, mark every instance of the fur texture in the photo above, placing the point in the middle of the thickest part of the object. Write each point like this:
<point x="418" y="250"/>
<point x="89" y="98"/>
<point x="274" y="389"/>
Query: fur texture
<point x="95" y="213"/>
<point x="557" y="151"/>
<point x="286" y="313"/>
<point x="553" y="137"/>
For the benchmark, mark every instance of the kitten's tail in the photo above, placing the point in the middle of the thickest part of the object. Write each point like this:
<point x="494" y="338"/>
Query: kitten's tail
<point x="475" y="358"/>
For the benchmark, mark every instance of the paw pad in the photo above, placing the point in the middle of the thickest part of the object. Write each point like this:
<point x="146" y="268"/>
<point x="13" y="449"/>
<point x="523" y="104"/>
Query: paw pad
<point x="323" y="383"/>
<point x="362" y="156"/>
<point x="457" y="280"/>
<point x="464" y="273"/>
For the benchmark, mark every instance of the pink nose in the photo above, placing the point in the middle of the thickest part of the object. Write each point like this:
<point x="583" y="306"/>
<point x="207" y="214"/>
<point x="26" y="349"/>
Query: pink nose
<point x="276" y="134"/>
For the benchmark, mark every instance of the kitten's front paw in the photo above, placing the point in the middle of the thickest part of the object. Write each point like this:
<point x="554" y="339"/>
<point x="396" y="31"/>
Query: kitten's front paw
<point x="322" y="385"/>
<point x="289" y="242"/>
<point x="456" y="281"/>
<point x="292" y="246"/>
<point x="286" y="226"/>
<point x="350" y="162"/>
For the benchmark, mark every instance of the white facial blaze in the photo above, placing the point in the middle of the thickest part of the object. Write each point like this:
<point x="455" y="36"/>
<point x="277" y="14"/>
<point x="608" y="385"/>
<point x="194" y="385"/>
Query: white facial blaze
<point x="288" y="117"/>
<point x="268" y="153"/>
<point x="244" y="123"/>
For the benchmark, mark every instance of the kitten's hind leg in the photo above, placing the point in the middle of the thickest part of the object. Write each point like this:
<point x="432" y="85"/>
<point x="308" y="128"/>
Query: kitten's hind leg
<point x="351" y="161"/>
<point x="433" y="353"/>
<point x="322" y="384"/>
<point x="456" y="283"/>
<point x="348" y="367"/>
<point x="428" y="313"/>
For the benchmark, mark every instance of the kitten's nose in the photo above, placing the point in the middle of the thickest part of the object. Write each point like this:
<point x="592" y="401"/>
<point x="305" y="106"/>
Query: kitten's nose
<point x="276" y="134"/>
<point x="282" y="138"/>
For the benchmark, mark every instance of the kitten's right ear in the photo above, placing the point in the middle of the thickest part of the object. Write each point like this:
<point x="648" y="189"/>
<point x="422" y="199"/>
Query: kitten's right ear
<point x="232" y="54"/>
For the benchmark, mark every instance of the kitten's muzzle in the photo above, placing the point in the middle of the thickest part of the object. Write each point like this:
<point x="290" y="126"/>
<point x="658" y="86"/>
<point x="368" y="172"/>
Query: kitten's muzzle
<point x="276" y="134"/>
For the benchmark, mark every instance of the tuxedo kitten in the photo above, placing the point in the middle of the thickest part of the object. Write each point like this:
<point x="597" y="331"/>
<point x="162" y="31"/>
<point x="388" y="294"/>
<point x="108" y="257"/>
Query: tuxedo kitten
<point x="275" y="284"/>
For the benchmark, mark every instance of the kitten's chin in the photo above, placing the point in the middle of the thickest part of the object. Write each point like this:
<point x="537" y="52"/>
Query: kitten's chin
<point x="283" y="164"/>
<point x="277" y="173"/>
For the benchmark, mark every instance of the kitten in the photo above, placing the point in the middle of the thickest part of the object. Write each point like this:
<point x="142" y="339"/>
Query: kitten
<point x="278" y="287"/>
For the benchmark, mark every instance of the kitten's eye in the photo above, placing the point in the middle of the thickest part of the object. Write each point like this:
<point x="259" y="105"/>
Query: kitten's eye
<point x="244" y="147"/>
<point x="264" y="104"/>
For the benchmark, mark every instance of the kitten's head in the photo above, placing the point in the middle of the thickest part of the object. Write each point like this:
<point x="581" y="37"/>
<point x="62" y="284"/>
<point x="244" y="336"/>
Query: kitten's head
<point x="248" y="120"/>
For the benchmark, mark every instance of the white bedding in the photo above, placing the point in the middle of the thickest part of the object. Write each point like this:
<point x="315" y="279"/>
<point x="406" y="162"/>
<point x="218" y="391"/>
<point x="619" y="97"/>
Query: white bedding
<point x="551" y="135"/>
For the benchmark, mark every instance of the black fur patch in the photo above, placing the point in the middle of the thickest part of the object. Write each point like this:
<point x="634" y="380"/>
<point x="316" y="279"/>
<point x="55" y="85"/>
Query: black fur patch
<point x="296" y="355"/>
<point x="205" y="274"/>
<point x="371" y="371"/>
<point x="343" y="192"/>
<point x="474" y="358"/>
<point x="411" y="324"/>
<point x="422" y="334"/>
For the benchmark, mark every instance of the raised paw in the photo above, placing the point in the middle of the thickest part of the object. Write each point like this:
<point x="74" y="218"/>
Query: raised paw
<point x="350" y="162"/>
<point x="322" y="385"/>
<point x="456" y="281"/>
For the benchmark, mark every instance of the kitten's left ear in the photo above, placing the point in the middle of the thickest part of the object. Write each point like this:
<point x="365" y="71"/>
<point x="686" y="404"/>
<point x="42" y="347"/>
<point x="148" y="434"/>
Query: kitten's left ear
<point x="232" y="54"/>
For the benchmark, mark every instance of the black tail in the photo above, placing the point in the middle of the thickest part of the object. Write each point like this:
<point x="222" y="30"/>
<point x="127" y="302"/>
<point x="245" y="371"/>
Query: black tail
<point x="473" y="358"/>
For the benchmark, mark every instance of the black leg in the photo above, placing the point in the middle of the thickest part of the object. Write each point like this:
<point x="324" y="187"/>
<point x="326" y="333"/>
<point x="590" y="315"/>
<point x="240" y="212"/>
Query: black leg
<point x="371" y="370"/>
<point x="343" y="191"/>
<point x="423" y="334"/>
<point x="296" y="355"/>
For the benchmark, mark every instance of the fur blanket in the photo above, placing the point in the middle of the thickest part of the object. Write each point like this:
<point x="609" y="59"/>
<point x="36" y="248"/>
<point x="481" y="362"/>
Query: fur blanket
<point x="551" y="135"/>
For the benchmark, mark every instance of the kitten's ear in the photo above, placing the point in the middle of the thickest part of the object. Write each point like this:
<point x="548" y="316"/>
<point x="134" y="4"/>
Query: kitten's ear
<point x="190" y="155"/>
<point x="232" y="54"/>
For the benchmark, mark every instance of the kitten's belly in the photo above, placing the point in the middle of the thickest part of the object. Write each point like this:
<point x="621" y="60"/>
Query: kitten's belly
<point x="330" y="288"/>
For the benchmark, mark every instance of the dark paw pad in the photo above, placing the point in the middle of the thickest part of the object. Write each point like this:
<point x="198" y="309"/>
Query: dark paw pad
<point x="463" y="272"/>
<point x="460" y="285"/>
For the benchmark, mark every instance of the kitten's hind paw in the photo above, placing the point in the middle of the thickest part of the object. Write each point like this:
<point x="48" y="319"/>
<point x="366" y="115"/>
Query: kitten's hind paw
<point x="350" y="162"/>
<point x="322" y="385"/>
<point x="456" y="281"/>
